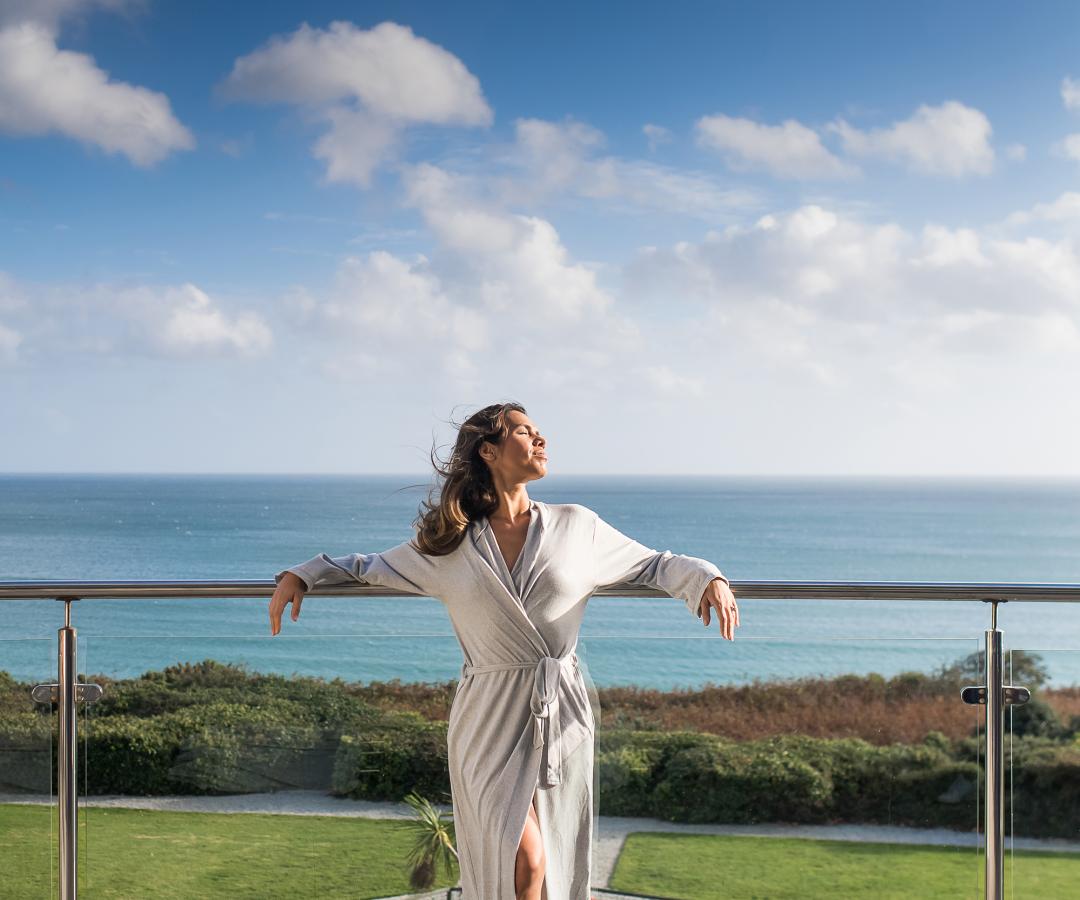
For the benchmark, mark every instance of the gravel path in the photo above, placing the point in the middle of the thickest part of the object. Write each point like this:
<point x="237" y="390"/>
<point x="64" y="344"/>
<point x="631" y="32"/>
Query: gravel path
<point x="612" y="829"/>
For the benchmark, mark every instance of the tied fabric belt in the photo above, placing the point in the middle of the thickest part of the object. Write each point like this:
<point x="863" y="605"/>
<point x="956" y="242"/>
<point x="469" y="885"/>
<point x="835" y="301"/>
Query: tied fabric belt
<point x="544" y="705"/>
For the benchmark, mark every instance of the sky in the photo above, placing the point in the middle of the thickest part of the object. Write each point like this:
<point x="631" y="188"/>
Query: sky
<point x="839" y="238"/>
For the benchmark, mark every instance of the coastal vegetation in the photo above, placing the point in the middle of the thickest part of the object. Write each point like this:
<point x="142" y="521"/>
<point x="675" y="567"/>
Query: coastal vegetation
<point x="859" y="749"/>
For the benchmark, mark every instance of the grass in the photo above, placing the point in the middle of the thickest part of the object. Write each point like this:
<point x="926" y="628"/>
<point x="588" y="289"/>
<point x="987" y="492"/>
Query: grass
<point x="126" y="853"/>
<point x="704" y="867"/>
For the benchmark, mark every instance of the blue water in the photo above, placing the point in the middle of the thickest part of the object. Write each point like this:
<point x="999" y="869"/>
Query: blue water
<point x="234" y="527"/>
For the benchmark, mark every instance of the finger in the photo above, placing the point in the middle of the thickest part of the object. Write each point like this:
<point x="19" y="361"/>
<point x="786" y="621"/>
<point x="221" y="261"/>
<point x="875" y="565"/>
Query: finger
<point x="737" y="622"/>
<point x="274" y="616"/>
<point x="706" y="611"/>
<point x="297" y="600"/>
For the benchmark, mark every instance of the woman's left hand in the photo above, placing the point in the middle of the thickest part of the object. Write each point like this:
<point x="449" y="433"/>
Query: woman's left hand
<point x="718" y="594"/>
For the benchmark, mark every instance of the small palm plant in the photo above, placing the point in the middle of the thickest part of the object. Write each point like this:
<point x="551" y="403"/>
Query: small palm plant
<point x="434" y="842"/>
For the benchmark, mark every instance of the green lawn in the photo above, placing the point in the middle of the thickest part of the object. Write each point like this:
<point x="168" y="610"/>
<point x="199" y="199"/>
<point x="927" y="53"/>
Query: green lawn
<point x="703" y="867"/>
<point x="126" y="853"/>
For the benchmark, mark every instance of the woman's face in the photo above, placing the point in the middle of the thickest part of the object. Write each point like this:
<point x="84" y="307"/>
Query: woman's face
<point x="522" y="456"/>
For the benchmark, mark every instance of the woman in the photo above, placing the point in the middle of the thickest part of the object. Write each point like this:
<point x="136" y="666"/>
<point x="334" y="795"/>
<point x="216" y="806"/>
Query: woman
<point x="515" y="575"/>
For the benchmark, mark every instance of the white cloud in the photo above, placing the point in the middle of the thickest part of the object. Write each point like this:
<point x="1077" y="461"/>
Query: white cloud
<point x="366" y="85"/>
<point x="180" y="321"/>
<point x="500" y="294"/>
<point x="1070" y="93"/>
<point x="550" y="158"/>
<point x="194" y="325"/>
<point x="788" y="150"/>
<point x="557" y="156"/>
<point x="50" y="13"/>
<point x="823" y="293"/>
<point x="393" y="312"/>
<point x="656" y="134"/>
<point x="46" y="90"/>
<point x="951" y="139"/>
<point x="514" y="262"/>
<point x="945" y="247"/>
<point x="356" y="144"/>
<point x="667" y="381"/>
<point x="1065" y="208"/>
<point x="1068" y="147"/>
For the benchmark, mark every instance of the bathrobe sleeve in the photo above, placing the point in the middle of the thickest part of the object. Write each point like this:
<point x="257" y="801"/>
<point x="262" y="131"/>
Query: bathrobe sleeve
<point x="402" y="567"/>
<point x="622" y="560"/>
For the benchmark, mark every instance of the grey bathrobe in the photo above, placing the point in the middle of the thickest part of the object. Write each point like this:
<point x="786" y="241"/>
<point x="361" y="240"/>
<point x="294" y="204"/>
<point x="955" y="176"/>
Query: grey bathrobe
<point x="521" y="723"/>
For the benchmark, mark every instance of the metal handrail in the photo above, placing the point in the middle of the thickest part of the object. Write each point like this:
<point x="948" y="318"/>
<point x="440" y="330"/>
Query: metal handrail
<point x="940" y="591"/>
<point x="66" y="692"/>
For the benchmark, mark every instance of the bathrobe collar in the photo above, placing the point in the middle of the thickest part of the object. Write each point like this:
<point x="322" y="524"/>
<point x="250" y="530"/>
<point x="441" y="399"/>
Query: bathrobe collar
<point x="486" y="547"/>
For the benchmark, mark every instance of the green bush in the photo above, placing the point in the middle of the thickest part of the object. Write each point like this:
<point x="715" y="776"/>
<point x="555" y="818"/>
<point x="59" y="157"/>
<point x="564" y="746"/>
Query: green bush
<point x="401" y="754"/>
<point x="742" y="783"/>
<point x="692" y="777"/>
<point x="1044" y="800"/>
<point x="128" y="755"/>
<point x="27" y="758"/>
<point x="212" y="728"/>
<point x="627" y="778"/>
<point x="233" y="748"/>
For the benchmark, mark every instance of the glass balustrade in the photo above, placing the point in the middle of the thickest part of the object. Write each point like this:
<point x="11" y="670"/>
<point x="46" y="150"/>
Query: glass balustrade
<point x="835" y="765"/>
<point x="209" y="778"/>
<point x="205" y="777"/>
<point x="28" y="834"/>
<point x="1041" y="772"/>
<point x="835" y="784"/>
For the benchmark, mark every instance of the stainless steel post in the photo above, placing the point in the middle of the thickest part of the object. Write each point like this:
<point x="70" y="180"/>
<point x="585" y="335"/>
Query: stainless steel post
<point x="995" y="812"/>
<point x="66" y="692"/>
<point x="996" y="696"/>
<point x="66" y="784"/>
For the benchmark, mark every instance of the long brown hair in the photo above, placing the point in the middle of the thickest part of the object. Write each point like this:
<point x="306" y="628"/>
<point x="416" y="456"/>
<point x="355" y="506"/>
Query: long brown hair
<point x="464" y="490"/>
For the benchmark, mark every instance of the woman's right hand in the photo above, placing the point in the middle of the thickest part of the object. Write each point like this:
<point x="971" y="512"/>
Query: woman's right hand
<point x="289" y="590"/>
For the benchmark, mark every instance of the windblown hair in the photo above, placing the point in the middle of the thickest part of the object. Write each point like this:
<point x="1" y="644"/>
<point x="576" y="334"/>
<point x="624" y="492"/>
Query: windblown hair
<point x="464" y="490"/>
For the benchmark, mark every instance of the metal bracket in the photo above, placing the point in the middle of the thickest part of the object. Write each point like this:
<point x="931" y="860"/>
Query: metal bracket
<point x="50" y="693"/>
<point x="1011" y="695"/>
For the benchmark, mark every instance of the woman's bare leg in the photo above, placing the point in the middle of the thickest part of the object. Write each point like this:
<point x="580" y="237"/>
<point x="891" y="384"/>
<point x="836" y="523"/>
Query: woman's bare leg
<point x="529" y="867"/>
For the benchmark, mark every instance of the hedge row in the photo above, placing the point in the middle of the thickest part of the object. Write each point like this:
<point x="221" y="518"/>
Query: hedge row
<point x="210" y="729"/>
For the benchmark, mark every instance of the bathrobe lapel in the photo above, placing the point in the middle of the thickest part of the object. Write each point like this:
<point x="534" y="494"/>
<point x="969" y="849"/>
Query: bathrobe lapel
<point x="490" y="561"/>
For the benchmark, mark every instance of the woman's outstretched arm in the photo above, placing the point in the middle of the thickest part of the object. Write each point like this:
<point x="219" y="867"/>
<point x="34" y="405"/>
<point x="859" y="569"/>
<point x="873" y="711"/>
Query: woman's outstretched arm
<point x="402" y="568"/>
<point x="622" y="560"/>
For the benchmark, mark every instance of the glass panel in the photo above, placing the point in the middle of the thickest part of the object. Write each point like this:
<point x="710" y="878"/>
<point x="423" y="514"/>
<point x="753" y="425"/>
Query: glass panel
<point x="192" y="730"/>
<point x="838" y="767"/>
<point x="1042" y="771"/>
<point x="704" y="748"/>
<point x="27" y="771"/>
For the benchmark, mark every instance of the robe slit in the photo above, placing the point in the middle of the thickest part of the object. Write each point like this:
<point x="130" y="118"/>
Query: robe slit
<point x="522" y="725"/>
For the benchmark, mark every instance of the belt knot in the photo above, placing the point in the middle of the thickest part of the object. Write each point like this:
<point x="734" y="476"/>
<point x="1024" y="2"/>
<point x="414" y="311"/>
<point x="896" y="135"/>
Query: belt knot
<point x="545" y="708"/>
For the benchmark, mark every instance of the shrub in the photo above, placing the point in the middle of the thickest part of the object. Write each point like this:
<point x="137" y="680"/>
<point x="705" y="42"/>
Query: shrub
<point x="730" y="782"/>
<point x="627" y="778"/>
<point x="26" y="763"/>
<point x="403" y="753"/>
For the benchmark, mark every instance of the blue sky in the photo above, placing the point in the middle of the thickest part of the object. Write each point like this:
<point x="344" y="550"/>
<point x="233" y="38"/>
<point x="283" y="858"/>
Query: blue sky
<point x="761" y="238"/>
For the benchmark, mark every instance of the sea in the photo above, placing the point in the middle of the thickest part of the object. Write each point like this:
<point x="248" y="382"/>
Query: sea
<point x="123" y="527"/>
